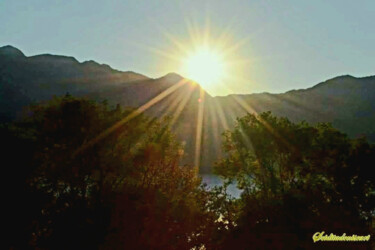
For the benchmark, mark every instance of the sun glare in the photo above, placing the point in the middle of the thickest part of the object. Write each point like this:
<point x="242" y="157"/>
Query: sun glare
<point x="205" y="66"/>
<point x="210" y="61"/>
<point x="207" y="57"/>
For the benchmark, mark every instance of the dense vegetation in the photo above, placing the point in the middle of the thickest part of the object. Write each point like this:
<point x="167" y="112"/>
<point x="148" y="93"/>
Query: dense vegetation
<point x="297" y="179"/>
<point x="345" y="101"/>
<point x="127" y="190"/>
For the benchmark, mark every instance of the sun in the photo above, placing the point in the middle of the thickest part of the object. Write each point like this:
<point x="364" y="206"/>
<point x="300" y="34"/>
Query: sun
<point x="205" y="66"/>
<point x="208" y="56"/>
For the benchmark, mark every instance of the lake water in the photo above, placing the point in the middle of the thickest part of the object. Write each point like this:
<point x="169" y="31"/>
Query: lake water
<point x="213" y="180"/>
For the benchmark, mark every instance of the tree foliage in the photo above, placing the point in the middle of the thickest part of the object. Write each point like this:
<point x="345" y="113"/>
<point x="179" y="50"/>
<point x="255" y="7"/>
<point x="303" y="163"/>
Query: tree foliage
<point x="69" y="187"/>
<point x="297" y="179"/>
<point x="125" y="190"/>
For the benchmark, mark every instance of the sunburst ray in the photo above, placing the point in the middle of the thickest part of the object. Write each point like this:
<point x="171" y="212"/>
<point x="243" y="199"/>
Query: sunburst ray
<point x="132" y="115"/>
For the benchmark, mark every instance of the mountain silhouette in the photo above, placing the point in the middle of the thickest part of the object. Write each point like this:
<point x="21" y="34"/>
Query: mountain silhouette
<point x="345" y="101"/>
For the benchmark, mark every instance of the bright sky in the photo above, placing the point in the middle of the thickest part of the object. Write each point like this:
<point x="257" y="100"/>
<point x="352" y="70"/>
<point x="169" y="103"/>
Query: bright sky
<point x="283" y="44"/>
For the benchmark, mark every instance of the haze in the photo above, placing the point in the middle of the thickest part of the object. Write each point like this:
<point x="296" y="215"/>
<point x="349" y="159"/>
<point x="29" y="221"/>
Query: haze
<point x="289" y="44"/>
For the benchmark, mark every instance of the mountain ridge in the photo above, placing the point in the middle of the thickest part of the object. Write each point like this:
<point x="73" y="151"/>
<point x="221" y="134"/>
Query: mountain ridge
<point x="346" y="101"/>
<point x="9" y="49"/>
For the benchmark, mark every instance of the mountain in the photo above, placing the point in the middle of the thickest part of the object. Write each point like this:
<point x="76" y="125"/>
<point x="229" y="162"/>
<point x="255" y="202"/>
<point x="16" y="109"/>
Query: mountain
<point x="26" y="80"/>
<point x="345" y="101"/>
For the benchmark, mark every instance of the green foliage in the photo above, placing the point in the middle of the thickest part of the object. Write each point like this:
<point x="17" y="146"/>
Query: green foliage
<point x="71" y="187"/>
<point x="124" y="190"/>
<point x="297" y="179"/>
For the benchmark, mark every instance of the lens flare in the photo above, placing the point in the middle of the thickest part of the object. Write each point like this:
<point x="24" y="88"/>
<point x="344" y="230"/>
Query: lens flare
<point x="205" y="66"/>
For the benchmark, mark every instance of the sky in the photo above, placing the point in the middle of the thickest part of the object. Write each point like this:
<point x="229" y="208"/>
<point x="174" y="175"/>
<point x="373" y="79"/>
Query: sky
<point x="282" y="45"/>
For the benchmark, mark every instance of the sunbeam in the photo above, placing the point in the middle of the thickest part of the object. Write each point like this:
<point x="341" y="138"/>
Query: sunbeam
<point x="132" y="115"/>
<point x="249" y="109"/>
<point x="176" y="99"/>
<point x="220" y="113"/>
<point x="182" y="105"/>
<point x="198" y="136"/>
<point x="214" y="129"/>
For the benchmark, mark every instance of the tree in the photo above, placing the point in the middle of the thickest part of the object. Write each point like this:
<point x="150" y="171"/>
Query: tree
<point x="124" y="190"/>
<point x="297" y="180"/>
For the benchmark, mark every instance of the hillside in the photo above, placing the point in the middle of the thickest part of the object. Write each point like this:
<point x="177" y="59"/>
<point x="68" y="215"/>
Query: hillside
<point x="345" y="101"/>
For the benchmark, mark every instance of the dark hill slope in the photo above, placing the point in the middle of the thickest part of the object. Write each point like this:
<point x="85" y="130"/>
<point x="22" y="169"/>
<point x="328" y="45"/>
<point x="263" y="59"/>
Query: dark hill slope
<point x="347" y="102"/>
